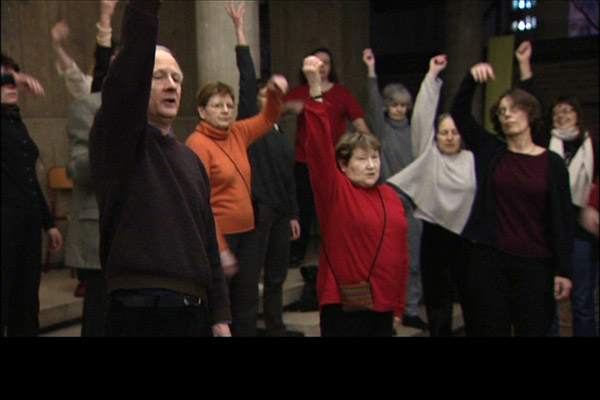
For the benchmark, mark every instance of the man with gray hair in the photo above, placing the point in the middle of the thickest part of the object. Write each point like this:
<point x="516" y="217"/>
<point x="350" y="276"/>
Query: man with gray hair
<point x="158" y="245"/>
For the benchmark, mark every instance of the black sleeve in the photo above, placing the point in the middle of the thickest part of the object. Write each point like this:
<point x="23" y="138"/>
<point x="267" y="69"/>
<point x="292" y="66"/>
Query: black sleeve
<point x="122" y="120"/>
<point x="474" y="135"/>
<point x="102" y="56"/>
<point x="248" y="106"/>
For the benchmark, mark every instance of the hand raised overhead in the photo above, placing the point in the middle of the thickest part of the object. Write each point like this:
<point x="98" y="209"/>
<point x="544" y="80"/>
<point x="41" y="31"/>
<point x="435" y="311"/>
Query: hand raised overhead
<point x="237" y="16"/>
<point x="437" y="64"/>
<point x="524" y="51"/>
<point x="482" y="72"/>
<point x="310" y="68"/>
<point x="369" y="57"/>
<point x="279" y="82"/>
<point x="59" y="32"/>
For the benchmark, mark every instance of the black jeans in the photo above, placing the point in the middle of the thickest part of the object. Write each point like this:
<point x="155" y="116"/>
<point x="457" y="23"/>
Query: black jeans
<point x="273" y="233"/>
<point x="306" y="207"/>
<point x="509" y="295"/>
<point x="95" y="303"/>
<point x="21" y="271"/>
<point x="335" y="322"/>
<point x="444" y="259"/>
<point x="160" y="317"/>
<point x="243" y="286"/>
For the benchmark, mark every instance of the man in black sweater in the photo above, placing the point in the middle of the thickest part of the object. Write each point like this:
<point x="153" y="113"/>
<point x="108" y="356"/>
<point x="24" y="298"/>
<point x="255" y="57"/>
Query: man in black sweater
<point x="158" y="245"/>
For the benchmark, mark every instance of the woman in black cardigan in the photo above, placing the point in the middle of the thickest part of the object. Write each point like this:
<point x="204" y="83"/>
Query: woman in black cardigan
<point x="24" y="210"/>
<point x="520" y="220"/>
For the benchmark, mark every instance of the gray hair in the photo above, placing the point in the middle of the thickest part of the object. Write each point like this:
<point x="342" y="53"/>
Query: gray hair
<point x="396" y="93"/>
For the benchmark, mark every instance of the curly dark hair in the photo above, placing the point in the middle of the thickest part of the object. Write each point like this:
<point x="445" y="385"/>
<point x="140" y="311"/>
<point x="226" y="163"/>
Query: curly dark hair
<point x="524" y="101"/>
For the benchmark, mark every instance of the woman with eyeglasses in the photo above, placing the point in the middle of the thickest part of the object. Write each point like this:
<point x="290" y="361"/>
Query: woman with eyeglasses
<point x="222" y="145"/>
<point x="363" y="266"/>
<point x="568" y="137"/>
<point x="521" y="219"/>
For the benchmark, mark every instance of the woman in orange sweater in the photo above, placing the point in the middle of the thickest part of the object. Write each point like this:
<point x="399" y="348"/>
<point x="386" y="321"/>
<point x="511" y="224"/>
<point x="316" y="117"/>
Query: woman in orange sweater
<point x="222" y="144"/>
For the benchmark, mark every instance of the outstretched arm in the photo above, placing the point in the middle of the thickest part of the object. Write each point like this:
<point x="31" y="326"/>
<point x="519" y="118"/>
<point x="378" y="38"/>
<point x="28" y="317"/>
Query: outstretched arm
<point x="423" y="118"/>
<point x="375" y="108"/>
<point x="248" y="106"/>
<point x="471" y="131"/>
<point x="77" y="82"/>
<point x="320" y="155"/>
<point x="523" y="54"/>
<point x="121" y="122"/>
<point x="104" y="50"/>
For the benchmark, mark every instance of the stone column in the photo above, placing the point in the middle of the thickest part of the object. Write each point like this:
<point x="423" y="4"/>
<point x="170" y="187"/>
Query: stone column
<point x="216" y="41"/>
<point x="463" y="44"/>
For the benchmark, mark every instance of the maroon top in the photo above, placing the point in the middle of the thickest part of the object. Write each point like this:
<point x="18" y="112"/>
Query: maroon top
<point x="521" y="187"/>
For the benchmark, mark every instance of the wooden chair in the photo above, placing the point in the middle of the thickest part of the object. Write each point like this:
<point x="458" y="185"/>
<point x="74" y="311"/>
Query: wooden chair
<point x="57" y="180"/>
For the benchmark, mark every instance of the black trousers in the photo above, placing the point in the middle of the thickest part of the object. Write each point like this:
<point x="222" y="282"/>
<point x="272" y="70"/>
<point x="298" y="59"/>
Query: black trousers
<point x="509" y="295"/>
<point x="243" y="286"/>
<point x="159" y="318"/>
<point x="445" y="257"/>
<point x="306" y="206"/>
<point x="273" y="234"/>
<point x="21" y="271"/>
<point x="95" y="303"/>
<point x="335" y="322"/>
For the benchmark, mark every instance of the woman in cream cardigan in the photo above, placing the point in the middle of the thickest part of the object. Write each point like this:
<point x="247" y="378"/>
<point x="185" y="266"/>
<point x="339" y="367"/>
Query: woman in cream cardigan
<point x="441" y="182"/>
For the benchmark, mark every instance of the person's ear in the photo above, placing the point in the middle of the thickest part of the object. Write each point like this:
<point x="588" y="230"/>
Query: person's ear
<point x="342" y="164"/>
<point x="201" y="112"/>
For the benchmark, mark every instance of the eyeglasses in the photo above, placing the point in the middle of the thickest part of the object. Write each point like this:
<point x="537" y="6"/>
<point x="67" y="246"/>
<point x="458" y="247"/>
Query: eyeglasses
<point x="503" y="110"/>
<point x="563" y="110"/>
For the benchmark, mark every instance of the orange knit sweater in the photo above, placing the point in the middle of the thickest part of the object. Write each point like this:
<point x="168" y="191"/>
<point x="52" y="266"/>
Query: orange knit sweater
<point x="230" y="197"/>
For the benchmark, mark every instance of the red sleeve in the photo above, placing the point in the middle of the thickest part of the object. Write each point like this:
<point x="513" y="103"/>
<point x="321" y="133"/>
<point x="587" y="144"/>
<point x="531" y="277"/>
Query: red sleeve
<point x="593" y="200"/>
<point x="297" y="93"/>
<point x="320" y="154"/>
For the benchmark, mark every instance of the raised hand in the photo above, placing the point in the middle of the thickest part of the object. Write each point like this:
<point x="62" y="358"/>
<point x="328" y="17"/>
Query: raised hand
<point x="59" y="32"/>
<point x="28" y="84"/>
<point x="483" y="72"/>
<point x="310" y="68"/>
<point x="437" y="64"/>
<point x="369" y="60"/>
<point x="279" y="82"/>
<point x="524" y="51"/>
<point x="237" y="16"/>
<point x="369" y="57"/>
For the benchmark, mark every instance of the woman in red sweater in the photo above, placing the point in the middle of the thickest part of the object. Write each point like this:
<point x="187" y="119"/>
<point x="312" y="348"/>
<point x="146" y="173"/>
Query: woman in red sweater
<point x="222" y="144"/>
<point x="363" y="267"/>
<point x="343" y="107"/>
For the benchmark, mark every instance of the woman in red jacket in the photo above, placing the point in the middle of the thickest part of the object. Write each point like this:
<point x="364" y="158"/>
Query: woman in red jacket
<point x="363" y="267"/>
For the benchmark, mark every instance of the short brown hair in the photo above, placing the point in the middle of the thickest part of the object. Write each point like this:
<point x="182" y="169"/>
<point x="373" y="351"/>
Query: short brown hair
<point x="524" y="101"/>
<point x="352" y="140"/>
<point x="211" y="89"/>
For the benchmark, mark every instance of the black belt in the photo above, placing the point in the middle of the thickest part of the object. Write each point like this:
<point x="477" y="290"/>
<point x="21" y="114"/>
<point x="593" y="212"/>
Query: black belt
<point x="162" y="299"/>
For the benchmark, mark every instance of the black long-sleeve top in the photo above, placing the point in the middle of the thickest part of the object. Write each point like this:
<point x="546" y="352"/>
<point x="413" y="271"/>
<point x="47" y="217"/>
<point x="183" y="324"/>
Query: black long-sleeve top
<point x="20" y="186"/>
<point x="488" y="150"/>
<point x="272" y="157"/>
<point x="157" y="228"/>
